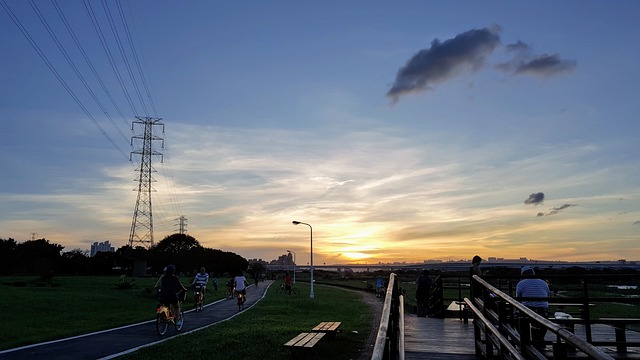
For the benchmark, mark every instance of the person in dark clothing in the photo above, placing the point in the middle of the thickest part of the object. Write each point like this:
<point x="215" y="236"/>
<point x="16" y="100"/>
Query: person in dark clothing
<point x="476" y="289"/>
<point x="423" y="291"/>
<point x="170" y="286"/>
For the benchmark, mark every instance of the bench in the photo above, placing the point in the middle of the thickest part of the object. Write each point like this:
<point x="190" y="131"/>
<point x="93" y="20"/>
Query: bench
<point x="328" y="327"/>
<point x="464" y="311"/>
<point x="304" y="342"/>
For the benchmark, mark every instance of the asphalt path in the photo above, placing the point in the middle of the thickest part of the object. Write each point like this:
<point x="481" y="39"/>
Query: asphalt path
<point x="112" y="343"/>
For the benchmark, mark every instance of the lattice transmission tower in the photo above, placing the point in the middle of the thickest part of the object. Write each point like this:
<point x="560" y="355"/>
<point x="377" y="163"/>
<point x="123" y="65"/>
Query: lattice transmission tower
<point x="142" y="225"/>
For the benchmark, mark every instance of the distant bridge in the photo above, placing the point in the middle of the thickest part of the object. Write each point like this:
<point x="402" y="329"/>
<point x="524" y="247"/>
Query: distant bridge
<point x="460" y="266"/>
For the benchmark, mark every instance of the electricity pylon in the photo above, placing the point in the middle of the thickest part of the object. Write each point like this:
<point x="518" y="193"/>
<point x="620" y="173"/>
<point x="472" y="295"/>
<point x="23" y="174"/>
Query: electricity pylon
<point x="182" y="224"/>
<point x="142" y="225"/>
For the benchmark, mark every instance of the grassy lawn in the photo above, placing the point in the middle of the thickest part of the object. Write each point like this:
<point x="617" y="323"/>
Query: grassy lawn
<point x="261" y="332"/>
<point x="76" y="305"/>
<point x="73" y="305"/>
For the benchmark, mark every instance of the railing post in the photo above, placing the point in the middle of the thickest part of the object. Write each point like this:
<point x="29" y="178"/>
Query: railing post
<point x="524" y="328"/>
<point x="586" y="314"/>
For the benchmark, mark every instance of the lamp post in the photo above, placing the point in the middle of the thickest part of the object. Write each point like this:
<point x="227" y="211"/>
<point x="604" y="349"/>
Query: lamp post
<point x="294" y="265"/>
<point x="311" y="296"/>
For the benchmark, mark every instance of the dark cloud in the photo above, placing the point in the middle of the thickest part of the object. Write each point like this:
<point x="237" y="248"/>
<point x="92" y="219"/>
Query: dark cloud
<point x="535" y="198"/>
<point x="444" y="60"/>
<point x="545" y="65"/>
<point x="524" y="62"/>
<point x="556" y="210"/>
<point x="468" y="52"/>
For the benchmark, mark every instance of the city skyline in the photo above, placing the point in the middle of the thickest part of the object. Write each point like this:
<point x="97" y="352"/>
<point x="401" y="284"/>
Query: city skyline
<point x="403" y="132"/>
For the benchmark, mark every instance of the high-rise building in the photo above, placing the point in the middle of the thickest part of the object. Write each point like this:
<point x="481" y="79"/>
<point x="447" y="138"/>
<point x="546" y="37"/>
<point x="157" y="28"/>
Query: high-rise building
<point x="103" y="246"/>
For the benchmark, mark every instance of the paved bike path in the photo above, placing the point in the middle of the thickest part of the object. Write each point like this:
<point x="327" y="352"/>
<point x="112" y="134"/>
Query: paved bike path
<point x="111" y="343"/>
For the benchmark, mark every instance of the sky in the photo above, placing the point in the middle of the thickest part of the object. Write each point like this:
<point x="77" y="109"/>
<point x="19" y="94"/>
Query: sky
<point x="400" y="131"/>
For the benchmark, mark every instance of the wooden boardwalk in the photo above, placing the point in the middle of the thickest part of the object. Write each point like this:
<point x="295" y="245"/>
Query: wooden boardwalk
<point x="452" y="339"/>
<point x="438" y="339"/>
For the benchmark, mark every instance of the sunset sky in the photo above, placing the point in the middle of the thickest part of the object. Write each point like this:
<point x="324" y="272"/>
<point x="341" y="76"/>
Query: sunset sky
<point x="401" y="131"/>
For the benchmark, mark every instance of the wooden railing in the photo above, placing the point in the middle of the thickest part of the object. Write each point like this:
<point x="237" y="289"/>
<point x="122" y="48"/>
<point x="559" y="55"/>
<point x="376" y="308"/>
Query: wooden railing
<point x="390" y="339"/>
<point x="498" y="331"/>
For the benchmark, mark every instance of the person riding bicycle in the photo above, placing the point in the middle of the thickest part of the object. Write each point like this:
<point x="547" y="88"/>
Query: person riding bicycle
<point x="201" y="279"/>
<point x="287" y="283"/>
<point x="229" y="285"/>
<point x="240" y="283"/>
<point x="379" y="286"/>
<point x="170" y="286"/>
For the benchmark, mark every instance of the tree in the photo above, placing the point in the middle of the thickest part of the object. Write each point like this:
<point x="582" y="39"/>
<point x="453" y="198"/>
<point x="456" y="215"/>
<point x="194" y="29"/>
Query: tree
<point x="75" y="262"/>
<point x="38" y="256"/>
<point x="8" y="249"/>
<point x="177" y="244"/>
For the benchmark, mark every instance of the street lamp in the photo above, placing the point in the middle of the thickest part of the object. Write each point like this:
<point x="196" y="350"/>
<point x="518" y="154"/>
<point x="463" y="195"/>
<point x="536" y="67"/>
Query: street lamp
<point x="311" y="267"/>
<point x="294" y="265"/>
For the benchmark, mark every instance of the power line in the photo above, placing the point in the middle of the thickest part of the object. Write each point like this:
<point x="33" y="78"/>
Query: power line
<point x="108" y="54"/>
<point x="86" y="58"/>
<point x="135" y="57"/>
<point x="44" y="58"/>
<point x="73" y="66"/>
<point x="116" y="35"/>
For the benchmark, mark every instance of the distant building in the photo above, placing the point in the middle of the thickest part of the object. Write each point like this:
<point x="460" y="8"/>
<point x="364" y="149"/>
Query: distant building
<point x="283" y="260"/>
<point x="103" y="246"/>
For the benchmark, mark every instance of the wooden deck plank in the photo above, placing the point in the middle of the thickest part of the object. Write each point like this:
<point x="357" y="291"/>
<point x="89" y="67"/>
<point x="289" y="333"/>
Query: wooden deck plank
<point x="438" y="339"/>
<point x="452" y="339"/>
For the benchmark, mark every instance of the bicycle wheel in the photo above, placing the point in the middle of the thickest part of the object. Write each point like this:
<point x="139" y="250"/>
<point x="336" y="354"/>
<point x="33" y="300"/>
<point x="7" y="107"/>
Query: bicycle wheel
<point x="280" y="291"/>
<point x="295" y="291"/>
<point x="181" y="323"/>
<point x="161" y="324"/>
<point x="227" y="293"/>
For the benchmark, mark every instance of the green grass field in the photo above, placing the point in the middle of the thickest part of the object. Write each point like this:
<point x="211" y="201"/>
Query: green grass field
<point x="75" y="305"/>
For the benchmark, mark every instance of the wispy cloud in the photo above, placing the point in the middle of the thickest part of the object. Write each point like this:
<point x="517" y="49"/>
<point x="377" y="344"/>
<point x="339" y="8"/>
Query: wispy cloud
<point x="556" y="210"/>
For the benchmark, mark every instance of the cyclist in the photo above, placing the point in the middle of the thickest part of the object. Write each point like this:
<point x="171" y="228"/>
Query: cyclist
<point x="229" y="286"/>
<point x="201" y="279"/>
<point x="170" y="286"/>
<point x="240" y="283"/>
<point x="287" y="283"/>
<point x="379" y="286"/>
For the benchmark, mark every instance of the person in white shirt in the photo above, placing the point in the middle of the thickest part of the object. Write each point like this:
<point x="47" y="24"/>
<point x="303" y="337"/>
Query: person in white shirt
<point x="530" y="287"/>
<point x="201" y="279"/>
<point x="240" y="283"/>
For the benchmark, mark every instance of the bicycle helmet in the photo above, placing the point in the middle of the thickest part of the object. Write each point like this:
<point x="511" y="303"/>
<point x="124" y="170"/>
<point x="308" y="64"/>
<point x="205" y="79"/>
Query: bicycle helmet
<point x="171" y="268"/>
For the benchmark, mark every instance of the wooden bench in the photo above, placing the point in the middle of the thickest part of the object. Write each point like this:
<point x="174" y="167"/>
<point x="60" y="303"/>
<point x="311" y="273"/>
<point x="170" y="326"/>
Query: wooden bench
<point x="303" y="343"/>
<point x="328" y="327"/>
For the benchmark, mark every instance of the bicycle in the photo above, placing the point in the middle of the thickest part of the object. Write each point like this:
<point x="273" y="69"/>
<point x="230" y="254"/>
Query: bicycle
<point x="283" y="290"/>
<point x="198" y="296"/>
<point x="241" y="299"/>
<point x="166" y="317"/>
<point x="228" y="293"/>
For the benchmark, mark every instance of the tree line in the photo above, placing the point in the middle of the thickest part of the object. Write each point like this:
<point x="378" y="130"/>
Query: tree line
<point x="43" y="258"/>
